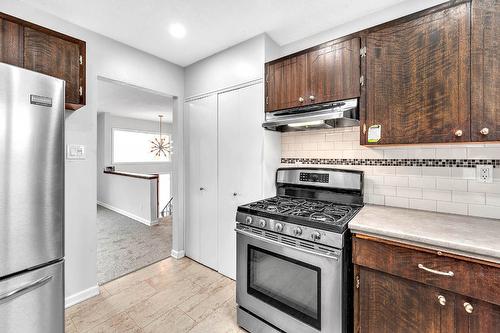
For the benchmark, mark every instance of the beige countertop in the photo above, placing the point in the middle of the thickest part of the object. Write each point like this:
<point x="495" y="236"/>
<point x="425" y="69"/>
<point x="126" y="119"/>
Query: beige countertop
<point x="463" y="235"/>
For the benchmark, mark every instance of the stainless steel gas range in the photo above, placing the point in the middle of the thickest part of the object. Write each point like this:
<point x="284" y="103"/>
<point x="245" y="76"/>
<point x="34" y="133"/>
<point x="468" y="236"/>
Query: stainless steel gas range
<point x="294" y="271"/>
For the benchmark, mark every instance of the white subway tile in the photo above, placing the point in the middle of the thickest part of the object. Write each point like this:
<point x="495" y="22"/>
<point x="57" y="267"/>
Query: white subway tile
<point x="421" y="153"/>
<point x="452" y="207"/>
<point x="422" y="182"/>
<point x="343" y="145"/>
<point x="421" y="204"/>
<point x="370" y="153"/>
<point x="375" y="199"/>
<point x="492" y="212"/>
<point x="295" y="146"/>
<point x="408" y="171"/>
<point x="395" y="154"/>
<point x="440" y="195"/>
<point x="408" y="192"/>
<point x="375" y="180"/>
<point x="384" y="170"/>
<point x="285" y="147"/>
<point x="469" y="197"/>
<point x="384" y="190"/>
<point x="475" y="186"/>
<point x="351" y="154"/>
<point x="287" y="139"/>
<point x="451" y="184"/>
<point x="436" y="171"/>
<point x="397" y="202"/>
<point x="367" y="188"/>
<point x="493" y="199"/>
<point x="396" y="180"/>
<point x="350" y="136"/>
<point x="325" y="146"/>
<point x="336" y="137"/>
<point x="483" y="152"/>
<point x="464" y="173"/>
<point x="451" y="153"/>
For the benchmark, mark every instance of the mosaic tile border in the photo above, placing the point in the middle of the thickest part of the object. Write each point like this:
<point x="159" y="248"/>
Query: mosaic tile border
<point x="394" y="162"/>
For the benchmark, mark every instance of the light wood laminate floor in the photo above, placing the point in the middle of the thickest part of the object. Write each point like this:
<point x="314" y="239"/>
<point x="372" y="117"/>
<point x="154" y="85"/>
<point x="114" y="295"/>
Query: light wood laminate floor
<point x="168" y="297"/>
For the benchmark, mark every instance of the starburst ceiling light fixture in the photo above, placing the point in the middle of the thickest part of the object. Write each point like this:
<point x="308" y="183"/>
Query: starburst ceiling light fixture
<point x="159" y="145"/>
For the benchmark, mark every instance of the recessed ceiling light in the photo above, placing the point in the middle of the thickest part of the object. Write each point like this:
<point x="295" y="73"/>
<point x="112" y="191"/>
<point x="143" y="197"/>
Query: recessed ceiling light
<point x="177" y="30"/>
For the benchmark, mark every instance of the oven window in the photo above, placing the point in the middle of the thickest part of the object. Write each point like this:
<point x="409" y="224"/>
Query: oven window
<point x="289" y="285"/>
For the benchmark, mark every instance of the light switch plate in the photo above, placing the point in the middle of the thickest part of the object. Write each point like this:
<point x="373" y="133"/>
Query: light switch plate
<point x="75" y="152"/>
<point x="484" y="173"/>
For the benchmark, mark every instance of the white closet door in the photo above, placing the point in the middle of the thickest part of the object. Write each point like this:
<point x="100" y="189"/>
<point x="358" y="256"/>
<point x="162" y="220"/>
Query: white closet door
<point x="201" y="226"/>
<point x="241" y="113"/>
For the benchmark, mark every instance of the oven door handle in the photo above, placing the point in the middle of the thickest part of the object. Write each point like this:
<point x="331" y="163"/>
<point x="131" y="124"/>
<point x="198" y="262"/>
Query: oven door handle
<point x="264" y="239"/>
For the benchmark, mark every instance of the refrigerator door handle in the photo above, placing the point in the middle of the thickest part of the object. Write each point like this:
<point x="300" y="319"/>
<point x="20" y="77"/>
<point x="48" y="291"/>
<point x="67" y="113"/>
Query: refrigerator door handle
<point x="5" y="297"/>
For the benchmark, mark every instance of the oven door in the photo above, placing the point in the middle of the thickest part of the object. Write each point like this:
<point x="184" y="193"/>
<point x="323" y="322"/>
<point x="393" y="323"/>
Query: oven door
<point x="295" y="288"/>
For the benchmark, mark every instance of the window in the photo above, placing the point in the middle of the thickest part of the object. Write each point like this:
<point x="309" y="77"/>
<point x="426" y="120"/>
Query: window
<point x="131" y="146"/>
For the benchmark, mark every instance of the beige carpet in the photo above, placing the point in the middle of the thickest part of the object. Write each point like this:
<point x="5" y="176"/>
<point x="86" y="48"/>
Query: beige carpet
<point x="125" y="245"/>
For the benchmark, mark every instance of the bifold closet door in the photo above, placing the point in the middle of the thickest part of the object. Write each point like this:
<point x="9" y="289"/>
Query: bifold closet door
<point x="201" y="226"/>
<point x="241" y="113"/>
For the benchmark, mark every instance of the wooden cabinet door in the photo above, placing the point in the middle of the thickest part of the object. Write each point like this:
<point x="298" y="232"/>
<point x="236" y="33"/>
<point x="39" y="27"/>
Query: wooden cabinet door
<point x="485" y="70"/>
<point x="11" y="43"/>
<point x="286" y="83"/>
<point x="484" y="317"/>
<point x="417" y="78"/>
<point x="333" y="72"/>
<point x="56" y="57"/>
<point x="391" y="304"/>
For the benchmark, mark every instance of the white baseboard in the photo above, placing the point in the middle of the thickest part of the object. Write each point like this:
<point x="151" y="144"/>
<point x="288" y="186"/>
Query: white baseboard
<point x="177" y="254"/>
<point x="81" y="296"/>
<point x="127" y="214"/>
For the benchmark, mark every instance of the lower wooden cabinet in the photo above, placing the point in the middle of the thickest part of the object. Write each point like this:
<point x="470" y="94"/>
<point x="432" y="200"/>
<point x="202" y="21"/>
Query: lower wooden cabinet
<point x="399" y="300"/>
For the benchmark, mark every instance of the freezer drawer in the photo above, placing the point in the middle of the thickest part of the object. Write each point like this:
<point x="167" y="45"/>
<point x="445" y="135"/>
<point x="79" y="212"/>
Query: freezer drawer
<point x="31" y="169"/>
<point x="33" y="302"/>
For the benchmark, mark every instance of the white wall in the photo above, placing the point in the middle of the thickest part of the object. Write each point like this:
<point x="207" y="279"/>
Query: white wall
<point x="114" y="60"/>
<point x="132" y="197"/>
<point x="104" y="143"/>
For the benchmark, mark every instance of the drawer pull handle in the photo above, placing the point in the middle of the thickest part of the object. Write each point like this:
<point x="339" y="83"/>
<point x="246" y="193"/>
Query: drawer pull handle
<point x="433" y="271"/>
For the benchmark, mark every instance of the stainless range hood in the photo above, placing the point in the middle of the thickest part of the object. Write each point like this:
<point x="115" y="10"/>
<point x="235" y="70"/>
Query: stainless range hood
<point x="320" y="116"/>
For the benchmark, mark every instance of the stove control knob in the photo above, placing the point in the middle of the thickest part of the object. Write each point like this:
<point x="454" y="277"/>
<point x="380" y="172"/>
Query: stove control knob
<point x="278" y="227"/>
<point x="297" y="231"/>
<point x="316" y="236"/>
<point x="262" y="223"/>
<point x="248" y="220"/>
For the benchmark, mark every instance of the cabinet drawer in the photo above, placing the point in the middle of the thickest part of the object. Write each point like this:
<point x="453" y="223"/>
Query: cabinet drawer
<point x="424" y="265"/>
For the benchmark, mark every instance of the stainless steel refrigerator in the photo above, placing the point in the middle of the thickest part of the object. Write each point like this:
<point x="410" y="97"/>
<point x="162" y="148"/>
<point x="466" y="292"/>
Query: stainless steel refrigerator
<point x="31" y="202"/>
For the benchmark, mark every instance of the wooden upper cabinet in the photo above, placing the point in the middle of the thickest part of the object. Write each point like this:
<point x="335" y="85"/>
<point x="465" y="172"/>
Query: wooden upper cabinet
<point x="45" y="51"/>
<point x="11" y="43"/>
<point x="56" y="57"/>
<point x="326" y="73"/>
<point x="391" y="304"/>
<point x="417" y="78"/>
<point x="333" y="72"/>
<point x="485" y="70"/>
<point x="286" y="83"/>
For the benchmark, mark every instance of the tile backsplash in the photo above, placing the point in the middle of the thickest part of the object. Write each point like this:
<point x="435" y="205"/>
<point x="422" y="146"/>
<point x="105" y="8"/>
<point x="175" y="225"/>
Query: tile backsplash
<point x="438" y="178"/>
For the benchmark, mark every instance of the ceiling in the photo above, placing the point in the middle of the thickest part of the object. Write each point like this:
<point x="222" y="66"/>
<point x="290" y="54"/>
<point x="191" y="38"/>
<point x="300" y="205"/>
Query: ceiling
<point x="132" y="102"/>
<point x="211" y="25"/>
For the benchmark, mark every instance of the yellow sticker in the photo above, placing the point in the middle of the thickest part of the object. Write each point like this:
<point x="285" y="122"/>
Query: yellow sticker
<point x="374" y="133"/>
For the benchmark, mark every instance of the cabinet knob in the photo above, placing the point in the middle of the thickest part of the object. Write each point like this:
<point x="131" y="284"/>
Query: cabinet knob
<point x="442" y="300"/>
<point x="202" y="189"/>
<point x="312" y="98"/>
<point x="235" y="194"/>
<point x="485" y="131"/>
<point x="459" y="133"/>
<point x="301" y="99"/>
<point x="468" y="307"/>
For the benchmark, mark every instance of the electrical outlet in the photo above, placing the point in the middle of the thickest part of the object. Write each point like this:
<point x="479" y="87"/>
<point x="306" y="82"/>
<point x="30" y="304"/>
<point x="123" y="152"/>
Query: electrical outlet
<point x="484" y="173"/>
